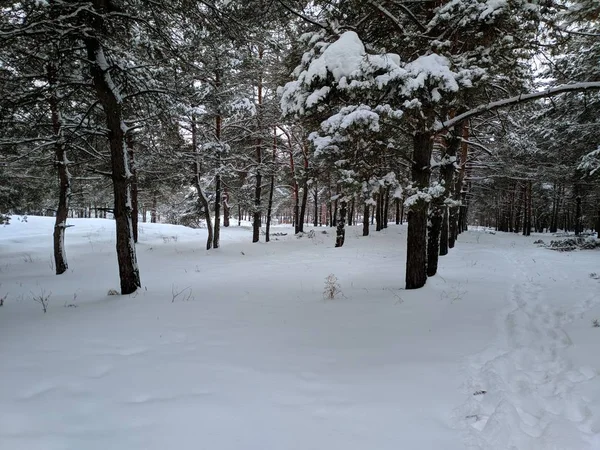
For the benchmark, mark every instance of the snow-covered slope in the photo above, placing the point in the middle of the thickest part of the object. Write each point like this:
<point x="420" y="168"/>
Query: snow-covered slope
<point x="250" y="355"/>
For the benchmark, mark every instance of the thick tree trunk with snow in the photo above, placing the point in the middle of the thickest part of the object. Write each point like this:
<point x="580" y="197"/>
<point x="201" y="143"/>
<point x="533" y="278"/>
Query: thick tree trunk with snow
<point x="111" y="102"/>
<point x="416" y="248"/>
<point x="218" y="199"/>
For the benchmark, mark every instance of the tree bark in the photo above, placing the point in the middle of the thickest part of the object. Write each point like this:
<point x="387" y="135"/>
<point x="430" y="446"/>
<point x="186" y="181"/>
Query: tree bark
<point x="386" y="207"/>
<point x="366" y="220"/>
<point x="111" y="102"/>
<point x="378" y="211"/>
<point x="203" y="204"/>
<point x="416" y="248"/>
<point x="134" y="187"/>
<point x="256" y="223"/>
<point x="340" y="230"/>
<point x="64" y="177"/>
<point x="218" y="199"/>
<point x="316" y="200"/>
<point x="578" y="222"/>
<point x="226" y="209"/>
<point x="447" y="171"/>
<point x="271" y="189"/>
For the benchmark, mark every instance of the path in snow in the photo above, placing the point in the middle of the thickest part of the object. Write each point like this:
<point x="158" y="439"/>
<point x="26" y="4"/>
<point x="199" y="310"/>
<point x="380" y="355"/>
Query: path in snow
<point x="523" y="390"/>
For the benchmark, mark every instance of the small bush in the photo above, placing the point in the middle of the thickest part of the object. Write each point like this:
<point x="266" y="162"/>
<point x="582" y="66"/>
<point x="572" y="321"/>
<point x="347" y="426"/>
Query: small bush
<point x="332" y="287"/>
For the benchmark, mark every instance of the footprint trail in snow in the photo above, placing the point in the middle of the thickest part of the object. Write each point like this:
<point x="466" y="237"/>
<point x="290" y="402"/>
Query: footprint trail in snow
<point x="522" y="389"/>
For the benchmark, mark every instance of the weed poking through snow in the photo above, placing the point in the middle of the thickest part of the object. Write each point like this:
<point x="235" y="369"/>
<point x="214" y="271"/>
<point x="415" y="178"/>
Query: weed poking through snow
<point x="42" y="298"/>
<point x="596" y="323"/>
<point x="185" y="294"/>
<point x="332" y="287"/>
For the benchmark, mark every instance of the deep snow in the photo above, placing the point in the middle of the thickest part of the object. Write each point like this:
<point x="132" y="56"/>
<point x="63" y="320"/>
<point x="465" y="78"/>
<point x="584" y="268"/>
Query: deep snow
<point x="257" y="359"/>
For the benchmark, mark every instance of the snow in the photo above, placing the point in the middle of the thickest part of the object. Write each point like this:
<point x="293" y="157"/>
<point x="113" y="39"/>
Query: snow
<point x="342" y="59"/>
<point x="257" y="359"/>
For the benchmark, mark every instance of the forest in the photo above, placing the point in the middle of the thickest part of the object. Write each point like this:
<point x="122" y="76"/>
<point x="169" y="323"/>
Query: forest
<point x="299" y="225"/>
<point x="205" y="112"/>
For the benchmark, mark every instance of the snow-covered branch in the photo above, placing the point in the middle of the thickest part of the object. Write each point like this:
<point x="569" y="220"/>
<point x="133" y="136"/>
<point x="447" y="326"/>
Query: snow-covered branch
<point x="575" y="87"/>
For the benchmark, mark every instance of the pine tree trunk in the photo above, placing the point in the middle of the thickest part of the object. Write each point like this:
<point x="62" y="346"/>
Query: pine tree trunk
<point x="351" y="214"/>
<point x="433" y="240"/>
<point x="110" y="100"/>
<point x="271" y="189"/>
<point x="416" y="248"/>
<point x="341" y="232"/>
<point x="578" y="221"/>
<point x="386" y="208"/>
<point x="64" y="178"/>
<point x="256" y="223"/>
<point x="447" y="171"/>
<point x="218" y="195"/>
<point x="203" y="204"/>
<point x="316" y="199"/>
<point x="397" y="204"/>
<point x="366" y="220"/>
<point x="334" y="214"/>
<point x="134" y="187"/>
<point x="301" y="216"/>
<point x="378" y="203"/>
<point x="226" y="209"/>
<point x="402" y="210"/>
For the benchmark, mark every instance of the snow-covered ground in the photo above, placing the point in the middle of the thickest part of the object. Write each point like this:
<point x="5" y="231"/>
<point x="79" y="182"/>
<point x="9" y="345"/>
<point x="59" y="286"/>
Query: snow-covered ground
<point x="497" y="352"/>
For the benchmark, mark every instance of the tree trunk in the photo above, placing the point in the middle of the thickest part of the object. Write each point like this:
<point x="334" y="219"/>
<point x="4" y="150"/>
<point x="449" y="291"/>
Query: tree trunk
<point x="341" y="232"/>
<point x="271" y="189"/>
<point x="402" y="210"/>
<point x="258" y="189"/>
<point x="386" y="208"/>
<point x="203" y="204"/>
<point x="218" y="195"/>
<point x="226" y="209"/>
<point x="366" y="220"/>
<point x="378" y="211"/>
<point x="447" y="170"/>
<point x="134" y="187"/>
<point x="351" y="214"/>
<point x="316" y="200"/>
<point x="433" y="240"/>
<point x="301" y="216"/>
<point x="110" y="99"/>
<point x="64" y="178"/>
<point x="416" y="248"/>
<point x="578" y="222"/>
